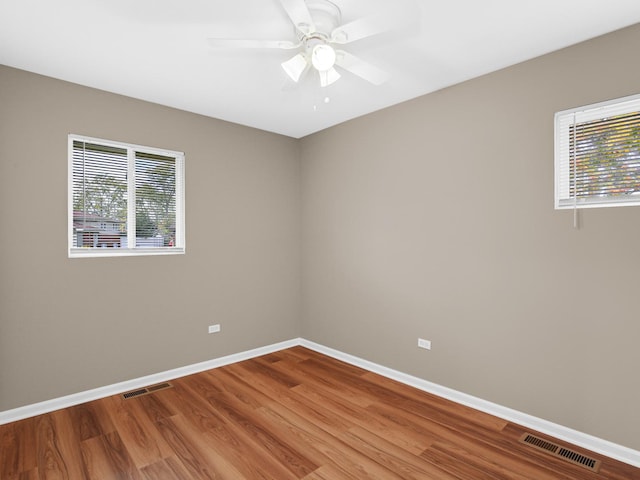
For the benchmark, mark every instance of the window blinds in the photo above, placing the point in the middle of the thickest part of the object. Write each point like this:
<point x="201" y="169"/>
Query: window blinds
<point x="99" y="195"/>
<point x="155" y="199"/>
<point x="598" y="155"/>
<point x="124" y="199"/>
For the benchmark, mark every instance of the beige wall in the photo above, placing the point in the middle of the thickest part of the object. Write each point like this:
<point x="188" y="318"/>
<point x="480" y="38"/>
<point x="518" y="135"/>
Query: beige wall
<point x="435" y="219"/>
<point x="68" y="325"/>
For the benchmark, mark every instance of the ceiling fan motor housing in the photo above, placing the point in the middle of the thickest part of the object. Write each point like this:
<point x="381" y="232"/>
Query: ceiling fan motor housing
<point x="326" y="18"/>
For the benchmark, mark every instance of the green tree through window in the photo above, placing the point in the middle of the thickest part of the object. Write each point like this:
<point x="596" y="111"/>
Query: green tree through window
<point x="605" y="157"/>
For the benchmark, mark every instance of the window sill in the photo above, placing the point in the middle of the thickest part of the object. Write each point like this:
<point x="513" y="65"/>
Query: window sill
<point x="123" y="252"/>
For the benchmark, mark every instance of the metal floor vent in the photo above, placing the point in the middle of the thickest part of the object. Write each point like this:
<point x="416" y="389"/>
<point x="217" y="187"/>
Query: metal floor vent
<point x="146" y="390"/>
<point x="561" y="452"/>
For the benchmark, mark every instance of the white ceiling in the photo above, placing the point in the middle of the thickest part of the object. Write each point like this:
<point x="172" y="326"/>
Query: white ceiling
<point x="156" y="50"/>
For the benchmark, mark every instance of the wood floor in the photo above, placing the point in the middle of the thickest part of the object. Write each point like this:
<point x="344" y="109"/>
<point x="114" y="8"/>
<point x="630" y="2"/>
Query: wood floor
<point x="294" y="414"/>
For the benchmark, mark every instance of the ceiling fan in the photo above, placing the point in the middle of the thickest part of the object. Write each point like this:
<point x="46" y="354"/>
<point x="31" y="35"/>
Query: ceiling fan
<point x="319" y="37"/>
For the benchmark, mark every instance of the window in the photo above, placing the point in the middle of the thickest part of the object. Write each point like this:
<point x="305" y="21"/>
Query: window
<point x="124" y="199"/>
<point x="597" y="155"/>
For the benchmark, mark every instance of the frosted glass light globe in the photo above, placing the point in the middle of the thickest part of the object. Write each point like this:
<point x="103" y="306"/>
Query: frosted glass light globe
<point x="323" y="57"/>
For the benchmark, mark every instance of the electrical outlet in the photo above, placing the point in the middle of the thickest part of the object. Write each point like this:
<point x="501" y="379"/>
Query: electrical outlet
<point x="426" y="344"/>
<point x="214" y="328"/>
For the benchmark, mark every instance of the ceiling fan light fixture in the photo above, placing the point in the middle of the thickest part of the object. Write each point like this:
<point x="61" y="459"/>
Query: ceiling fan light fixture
<point x="323" y="57"/>
<point x="295" y="66"/>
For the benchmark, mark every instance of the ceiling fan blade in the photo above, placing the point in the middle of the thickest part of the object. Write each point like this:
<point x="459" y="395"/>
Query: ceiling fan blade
<point x="247" y="43"/>
<point x="296" y="66"/>
<point x="299" y="14"/>
<point x="362" y="69"/>
<point x="361" y="28"/>
<point x="327" y="77"/>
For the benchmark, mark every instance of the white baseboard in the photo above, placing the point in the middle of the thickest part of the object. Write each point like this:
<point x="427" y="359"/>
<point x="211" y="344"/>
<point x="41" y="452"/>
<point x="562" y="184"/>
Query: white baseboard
<point x="77" y="398"/>
<point x="594" y="444"/>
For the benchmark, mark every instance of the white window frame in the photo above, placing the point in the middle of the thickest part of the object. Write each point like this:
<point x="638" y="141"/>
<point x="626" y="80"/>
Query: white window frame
<point x="563" y="122"/>
<point x="131" y="249"/>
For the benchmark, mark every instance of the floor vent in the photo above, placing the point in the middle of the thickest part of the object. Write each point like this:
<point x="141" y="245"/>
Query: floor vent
<point x="146" y="390"/>
<point x="561" y="452"/>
